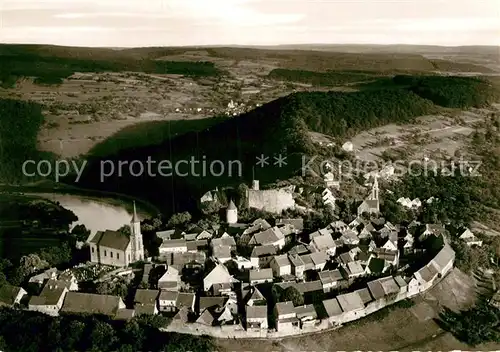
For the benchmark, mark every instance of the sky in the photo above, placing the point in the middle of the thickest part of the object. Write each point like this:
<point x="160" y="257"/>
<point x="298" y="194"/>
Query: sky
<point x="132" y="23"/>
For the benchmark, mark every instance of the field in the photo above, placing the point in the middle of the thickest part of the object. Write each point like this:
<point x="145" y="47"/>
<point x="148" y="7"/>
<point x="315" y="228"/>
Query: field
<point x="86" y="108"/>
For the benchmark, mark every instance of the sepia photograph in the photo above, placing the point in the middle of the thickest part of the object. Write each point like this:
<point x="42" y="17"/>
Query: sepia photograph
<point x="249" y="175"/>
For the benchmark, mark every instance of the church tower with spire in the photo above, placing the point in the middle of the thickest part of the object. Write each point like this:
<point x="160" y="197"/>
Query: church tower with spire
<point x="137" y="247"/>
<point x="375" y="190"/>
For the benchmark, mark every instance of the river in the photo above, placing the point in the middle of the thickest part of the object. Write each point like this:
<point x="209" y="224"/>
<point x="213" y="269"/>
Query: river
<point x="97" y="214"/>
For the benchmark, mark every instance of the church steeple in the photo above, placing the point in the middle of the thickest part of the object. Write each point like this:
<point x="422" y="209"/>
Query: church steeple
<point x="135" y="218"/>
<point x="375" y="189"/>
<point x="137" y="249"/>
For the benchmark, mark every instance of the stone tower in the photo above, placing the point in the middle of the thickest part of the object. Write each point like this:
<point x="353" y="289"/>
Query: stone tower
<point x="137" y="247"/>
<point x="232" y="213"/>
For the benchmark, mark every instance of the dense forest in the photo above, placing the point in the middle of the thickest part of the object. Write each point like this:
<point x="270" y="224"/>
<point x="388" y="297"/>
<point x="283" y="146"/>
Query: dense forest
<point x="20" y="122"/>
<point x="51" y="70"/>
<point x="24" y="331"/>
<point x="329" y="78"/>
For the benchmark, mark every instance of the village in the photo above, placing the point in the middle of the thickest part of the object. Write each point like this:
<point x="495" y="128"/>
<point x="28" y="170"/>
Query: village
<point x="256" y="279"/>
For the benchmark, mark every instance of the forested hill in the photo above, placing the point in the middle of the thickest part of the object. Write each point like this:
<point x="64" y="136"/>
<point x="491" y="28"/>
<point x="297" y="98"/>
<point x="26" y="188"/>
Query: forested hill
<point x="282" y="126"/>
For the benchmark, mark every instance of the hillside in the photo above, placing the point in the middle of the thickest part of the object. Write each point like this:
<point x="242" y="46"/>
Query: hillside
<point x="19" y="125"/>
<point x="278" y="127"/>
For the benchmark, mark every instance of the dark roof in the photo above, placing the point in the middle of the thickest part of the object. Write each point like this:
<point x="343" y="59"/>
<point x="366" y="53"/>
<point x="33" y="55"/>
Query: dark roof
<point x="77" y="302"/>
<point x="8" y="294"/>
<point x="142" y="309"/>
<point x="111" y="239"/>
<point x="125" y="314"/>
<point x="185" y="300"/>
<point x="146" y="296"/>
<point x="51" y="293"/>
<point x="265" y="250"/>
<point x="209" y="302"/>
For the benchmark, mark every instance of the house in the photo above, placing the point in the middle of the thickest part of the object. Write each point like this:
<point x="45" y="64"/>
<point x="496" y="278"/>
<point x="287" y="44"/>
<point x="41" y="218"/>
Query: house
<point x="298" y="250"/>
<point x="124" y="314"/>
<point x="384" y="288"/>
<point x="390" y="246"/>
<point x="222" y="253"/>
<point x="262" y="255"/>
<point x="212" y="303"/>
<point x="353" y="270"/>
<point x="168" y="301"/>
<point x="260" y="276"/>
<point x="210" y="196"/>
<point x="332" y="309"/>
<point x="303" y="287"/>
<point x="432" y="229"/>
<point x="146" y="301"/>
<point x="324" y="243"/>
<point x="196" y="245"/>
<point x="349" y="238"/>
<point x="218" y="275"/>
<point x="166" y="235"/>
<point x="307" y="315"/>
<point x="495" y="300"/>
<point x="352" y="306"/>
<point x="204" y="235"/>
<point x="345" y="258"/>
<point x="170" y="280"/>
<point x="51" y="298"/>
<point x="286" y="316"/>
<point x="243" y="263"/>
<point x="319" y="260"/>
<point x="443" y="261"/>
<point x="391" y="257"/>
<point x="185" y="300"/>
<point x="206" y="318"/>
<point x="272" y="236"/>
<point x="470" y="239"/>
<point x="115" y="247"/>
<point x="48" y="274"/>
<point x="225" y="240"/>
<point x="330" y="279"/>
<point x="11" y="295"/>
<point x="89" y="303"/>
<point x="280" y="265"/>
<point x="256" y="317"/>
<point x="298" y="266"/>
<point x="190" y="236"/>
<point x="173" y="246"/>
<point x="185" y="260"/>
<point x="255" y="297"/>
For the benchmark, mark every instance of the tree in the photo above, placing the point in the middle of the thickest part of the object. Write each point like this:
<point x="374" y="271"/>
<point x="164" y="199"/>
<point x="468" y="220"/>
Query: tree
<point x="179" y="219"/>
<point x="80" y="233"/>
<point x="28" y="265"/>
<point x="102" y="336"/>
<point x="292" y="294"/>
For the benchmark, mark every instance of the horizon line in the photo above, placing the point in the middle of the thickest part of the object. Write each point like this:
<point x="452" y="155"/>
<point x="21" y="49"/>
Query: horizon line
<point x="256" y="45"/>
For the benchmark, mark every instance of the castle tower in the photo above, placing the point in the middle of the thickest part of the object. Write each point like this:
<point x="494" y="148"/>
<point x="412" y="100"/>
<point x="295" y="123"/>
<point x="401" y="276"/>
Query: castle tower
<point x="136" y="238"/>
<point x="232" y="213"/>
<point x="375" y="190"/>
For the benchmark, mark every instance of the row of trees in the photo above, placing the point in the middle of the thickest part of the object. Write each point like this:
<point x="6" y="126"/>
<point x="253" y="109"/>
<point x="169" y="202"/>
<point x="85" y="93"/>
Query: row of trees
<point x="91" y="333"/>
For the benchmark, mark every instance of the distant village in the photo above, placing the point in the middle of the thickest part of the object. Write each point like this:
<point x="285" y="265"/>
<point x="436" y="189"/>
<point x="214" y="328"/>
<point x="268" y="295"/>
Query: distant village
<point x="257" y="279"/>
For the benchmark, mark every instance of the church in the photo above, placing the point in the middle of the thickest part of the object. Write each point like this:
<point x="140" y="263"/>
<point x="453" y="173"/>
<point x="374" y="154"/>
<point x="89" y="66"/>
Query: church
<point x="116" y="248"/>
